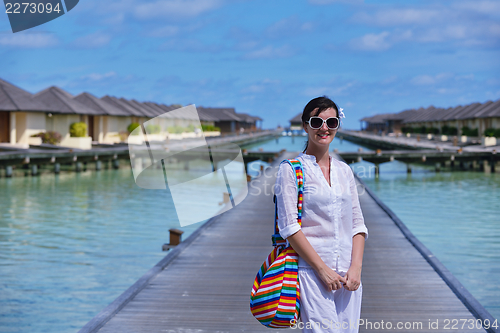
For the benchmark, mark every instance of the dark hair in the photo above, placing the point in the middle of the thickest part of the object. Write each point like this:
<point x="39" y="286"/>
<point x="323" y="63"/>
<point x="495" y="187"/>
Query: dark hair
<point x="315" y="107"/>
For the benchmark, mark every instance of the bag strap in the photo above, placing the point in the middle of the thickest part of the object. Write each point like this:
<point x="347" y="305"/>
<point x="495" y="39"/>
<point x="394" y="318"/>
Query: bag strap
<point x="299" y="178"/>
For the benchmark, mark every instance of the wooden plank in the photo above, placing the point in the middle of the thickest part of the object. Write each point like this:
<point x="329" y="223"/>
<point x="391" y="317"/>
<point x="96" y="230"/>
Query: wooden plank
<point x="206" y="287"/>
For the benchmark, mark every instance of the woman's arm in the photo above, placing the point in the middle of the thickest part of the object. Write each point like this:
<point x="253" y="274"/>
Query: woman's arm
<point x="301" y="245"/>
<point x="353" y="275"/>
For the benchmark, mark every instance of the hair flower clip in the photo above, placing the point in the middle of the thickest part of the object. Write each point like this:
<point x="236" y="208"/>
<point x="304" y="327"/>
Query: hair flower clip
<point x="341" y="114"/>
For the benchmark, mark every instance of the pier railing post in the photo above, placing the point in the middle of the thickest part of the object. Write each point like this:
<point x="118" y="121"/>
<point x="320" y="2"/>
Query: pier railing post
<point x="8" y="171"/>
<point x="175" y="239"/>
<point x="408" y="168"/>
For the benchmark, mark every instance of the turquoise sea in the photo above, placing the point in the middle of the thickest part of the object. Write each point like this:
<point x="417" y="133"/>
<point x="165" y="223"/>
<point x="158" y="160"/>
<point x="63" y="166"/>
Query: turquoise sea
<point x="71" y="243"/>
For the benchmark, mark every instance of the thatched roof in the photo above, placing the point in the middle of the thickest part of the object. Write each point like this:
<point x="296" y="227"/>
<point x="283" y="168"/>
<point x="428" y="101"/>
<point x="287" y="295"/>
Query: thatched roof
<point x="13" y="98"/>
<point x="146" y="112"/>
<point x="60" y="101"/>
<point x="121" y="105"/>
<point x="98" y="104"/>
<point x="470" y="111"/>
<point x="222" y="114"/>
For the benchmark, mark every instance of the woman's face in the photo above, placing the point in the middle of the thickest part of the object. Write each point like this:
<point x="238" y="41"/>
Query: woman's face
<point x="322" y="136"/>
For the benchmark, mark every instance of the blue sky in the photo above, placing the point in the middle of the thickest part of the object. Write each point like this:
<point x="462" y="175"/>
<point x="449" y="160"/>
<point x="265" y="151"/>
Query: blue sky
<point x="266" y="58"/>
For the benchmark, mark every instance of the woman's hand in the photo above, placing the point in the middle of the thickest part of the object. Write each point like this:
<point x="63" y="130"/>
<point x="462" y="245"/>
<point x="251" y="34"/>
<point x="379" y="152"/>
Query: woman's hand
<point x="330" y="278"/>
<point x="353" y="277"/>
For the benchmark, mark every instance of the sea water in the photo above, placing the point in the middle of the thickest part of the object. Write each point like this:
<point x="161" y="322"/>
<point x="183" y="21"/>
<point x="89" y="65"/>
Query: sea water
<point x="71" y="243"/>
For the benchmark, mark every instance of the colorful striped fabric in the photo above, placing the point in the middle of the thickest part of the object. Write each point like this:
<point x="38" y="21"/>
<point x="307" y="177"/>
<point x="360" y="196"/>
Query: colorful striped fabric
<point x="275" y="298"/>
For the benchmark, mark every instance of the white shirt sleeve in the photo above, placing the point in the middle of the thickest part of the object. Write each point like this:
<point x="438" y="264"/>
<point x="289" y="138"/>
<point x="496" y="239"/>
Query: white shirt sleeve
<point x="286" y="195"/>
<point x="358" y="221"/>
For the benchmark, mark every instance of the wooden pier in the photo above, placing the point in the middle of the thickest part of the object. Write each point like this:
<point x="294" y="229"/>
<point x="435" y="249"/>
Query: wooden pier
<point x="36" y="156"/>
<point x="405" y="143"/>
<point x="487" y="161"/>
<point x="204" y="284"/>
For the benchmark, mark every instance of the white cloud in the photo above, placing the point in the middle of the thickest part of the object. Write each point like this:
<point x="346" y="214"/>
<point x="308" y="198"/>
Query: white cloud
<point x="427" y="80"/>
<point x="290" y="26"/>
<point x="174" y="8"/>
<point x="465" y="23"/>
<point x="328" y="2"/>
<point x="329" y="89"/>
<point x="397" y="17"/>
<point x="98" y="76"/>
<point x="423" y="80"/>
<point x="166" y="31"/>
<point x="265" y="85"/>
<point x="372" y="42"/>
<point x="29" y="40"/>
<point x="269" y="52"/>
<point x="93" y="41"/>
<point x="482" y="7"/>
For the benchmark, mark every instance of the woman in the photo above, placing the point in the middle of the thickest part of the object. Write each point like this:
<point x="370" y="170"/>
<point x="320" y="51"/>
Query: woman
<point x="331" y="241"/>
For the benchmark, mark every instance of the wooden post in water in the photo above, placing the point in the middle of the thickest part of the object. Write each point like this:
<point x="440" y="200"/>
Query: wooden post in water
<point x="57" y="167"/>
<point x="98" y="165"/>
<point x="34" y="169"/>
<point x="486" y="166"/>
<point x="116" y="164"/>
<point x="376" y="170"/>
<point x="79" y="166"/>
<point x="8" y="171"/>
<point x="408" y="168"/>
<point x="175" y="239"/>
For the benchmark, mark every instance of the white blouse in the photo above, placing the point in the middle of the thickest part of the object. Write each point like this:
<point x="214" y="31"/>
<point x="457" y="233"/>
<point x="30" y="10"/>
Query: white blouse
<point x="331" y="215"/>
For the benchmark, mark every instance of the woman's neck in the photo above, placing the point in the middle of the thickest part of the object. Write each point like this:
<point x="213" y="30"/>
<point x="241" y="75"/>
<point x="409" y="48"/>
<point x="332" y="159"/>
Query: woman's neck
<point x="321" y="154"/>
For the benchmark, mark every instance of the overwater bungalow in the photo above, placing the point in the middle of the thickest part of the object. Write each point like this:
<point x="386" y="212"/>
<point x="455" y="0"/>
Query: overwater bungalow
<point x="475" y="118"/>
<point x="20" y="115"/>
<point x="107" y="119"/>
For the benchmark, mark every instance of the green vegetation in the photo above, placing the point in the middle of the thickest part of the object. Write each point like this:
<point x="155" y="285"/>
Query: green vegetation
<point x="420" y="130"/>
<point x="405" y="129"/>
<point x="210" y="128"/>
<point x="132" y="127"/>
<point x="180" y="129"/>
<point x="492" y="132"/>
<point x="447" y="130"/>
<point x="78" y="130"/>
<point x="469" y="132"/>
<point x="153" y="129"/>
<point x="50" y="137"/>
<point x="176" y="129"/>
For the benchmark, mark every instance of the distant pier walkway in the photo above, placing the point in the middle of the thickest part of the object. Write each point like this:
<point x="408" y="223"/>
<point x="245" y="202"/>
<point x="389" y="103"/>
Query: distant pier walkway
<point x="406" y="143"/>
<point x="34" y="157"/>
<point x="203" y="285"/>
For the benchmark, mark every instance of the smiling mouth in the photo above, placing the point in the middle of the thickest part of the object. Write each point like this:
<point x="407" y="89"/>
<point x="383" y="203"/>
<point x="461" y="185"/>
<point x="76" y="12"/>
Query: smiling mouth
<point x="323" y="135"/>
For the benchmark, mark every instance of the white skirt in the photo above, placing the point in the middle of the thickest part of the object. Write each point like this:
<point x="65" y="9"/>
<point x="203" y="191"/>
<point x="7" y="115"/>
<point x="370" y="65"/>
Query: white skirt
<point x="323" y="311"/>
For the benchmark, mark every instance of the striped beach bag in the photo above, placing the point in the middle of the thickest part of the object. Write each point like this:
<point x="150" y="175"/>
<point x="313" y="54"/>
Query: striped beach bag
<point x="275" y="298"/>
